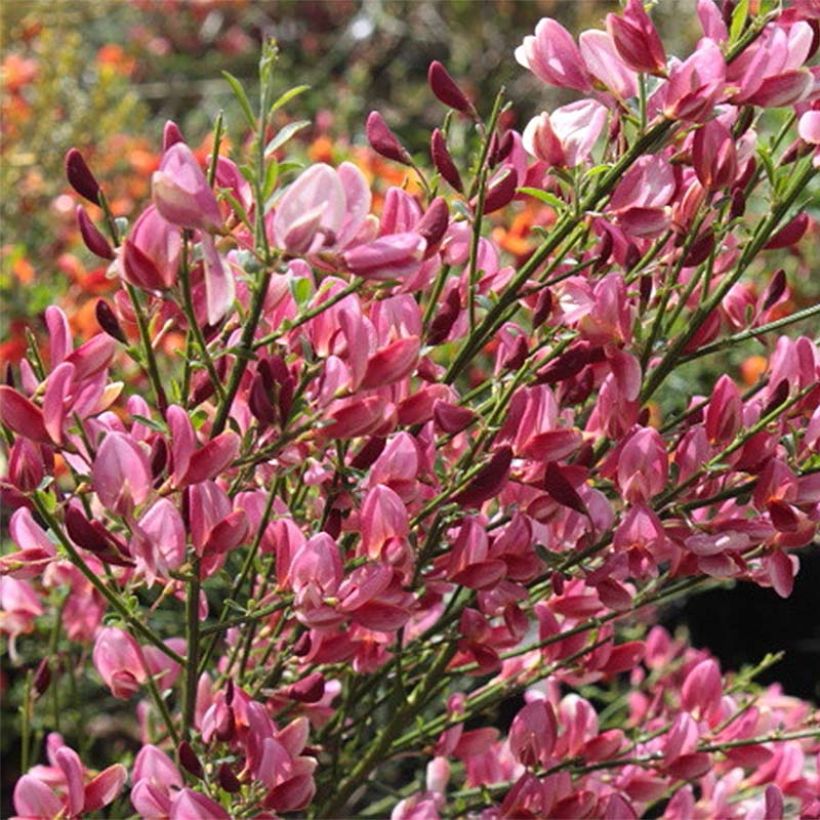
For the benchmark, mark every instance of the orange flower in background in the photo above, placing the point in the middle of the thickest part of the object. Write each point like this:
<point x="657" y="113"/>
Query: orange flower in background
<point x="114" y="57"/>
<point x="753" y="368"/>
<point x="18" y="72"/>
<point x="517" y="238"/>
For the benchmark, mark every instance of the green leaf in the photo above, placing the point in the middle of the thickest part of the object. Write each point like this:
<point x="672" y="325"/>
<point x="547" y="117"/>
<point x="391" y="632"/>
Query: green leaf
<point x="286" y="133"/>
<point x="241" y="97"/>
<point x="237" y="206"/>
<point x="271" y="177"/>
<point x="739" y="17"/>
<point x="151" y="423"/>
<point x="288" y="96"/>
<point x="543" y="196"/>
<point x="300" y="289"/>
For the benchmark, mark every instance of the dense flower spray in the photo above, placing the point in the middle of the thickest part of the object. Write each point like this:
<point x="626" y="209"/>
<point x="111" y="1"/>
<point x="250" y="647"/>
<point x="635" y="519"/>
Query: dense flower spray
<point x="403" y="475"/>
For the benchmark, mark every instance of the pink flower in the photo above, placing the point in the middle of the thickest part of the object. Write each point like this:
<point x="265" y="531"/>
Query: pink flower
<point x="150" y="255"/>
<point x="121" y="473"/>
<point x="714" y="156"/>
<point x="65" y="789"/>
<point x="642" y="465"/>
<point x="636" y="39"/>
<point x="181" y="192"/>
<point x="566" y="136"/>
<point x="553" y="56"/>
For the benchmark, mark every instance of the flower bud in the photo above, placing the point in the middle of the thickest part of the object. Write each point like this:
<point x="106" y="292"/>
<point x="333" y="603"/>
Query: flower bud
<point x="543" y="307"/>
<point x="227" y="779"/>
<point x="451" y="418"/>
<point x="107" y="320"/>
<point x="500" y="191"/>
<point x="445" y="88"/>
<point x="80" y="177"/>
<point x="94" y="240"/>
<point x="188" y="760"/>
<point x="790" y="234"/>
<point x="42" y="677"/>
<point x="310" y="689"/>
<point x="443" y="162"/>
<point x="383" y="141"/>
<point x="171" y="135"/>
<point x="433" y="225"/>
<point x="489" y="480"/>
<point x="636" y="40"/>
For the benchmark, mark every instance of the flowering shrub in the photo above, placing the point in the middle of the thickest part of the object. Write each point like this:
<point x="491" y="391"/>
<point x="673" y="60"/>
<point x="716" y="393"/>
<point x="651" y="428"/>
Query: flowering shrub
<point x="399" y="482"/>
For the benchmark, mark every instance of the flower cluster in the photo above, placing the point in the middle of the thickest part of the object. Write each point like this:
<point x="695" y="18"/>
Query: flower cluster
<point x="399" y="477"/>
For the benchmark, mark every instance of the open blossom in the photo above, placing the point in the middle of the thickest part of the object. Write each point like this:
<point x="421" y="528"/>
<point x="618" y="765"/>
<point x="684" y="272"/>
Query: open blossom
<point x="566" y="136"/>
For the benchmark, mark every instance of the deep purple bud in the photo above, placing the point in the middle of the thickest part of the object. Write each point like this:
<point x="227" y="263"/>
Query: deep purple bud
<point x="774" y="290"/>
<point x="188" y="759"/>
<point x="25" y="468"/>
<point x="543" y="308"/>
<point x="94" y="240"/>
<point x="445" y="88"/>
<point x="443" y="162"/>
<point x="310" y="689"/>
<point x="107" y="320"/>
<point x="501" y="191"/>
<point x="80" y="177"/>
<point x="159" y="456"/>
<point x="451" y="418"/>
<point x="738" y="206"/>
<point x="561" y="489"/>
<point x="227" y="779"/>
<point x="369" y="453"/>
<point x="445" y="319"/>
<point x="433" y="225"/>
<point x="383" y="141"/>
<point x="488" y="481"/>
<point x="42" y="677"/>
<point x="301" y="646"/>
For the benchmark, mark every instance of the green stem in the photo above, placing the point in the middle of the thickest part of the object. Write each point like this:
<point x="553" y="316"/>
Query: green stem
<point x="192" y="651"/>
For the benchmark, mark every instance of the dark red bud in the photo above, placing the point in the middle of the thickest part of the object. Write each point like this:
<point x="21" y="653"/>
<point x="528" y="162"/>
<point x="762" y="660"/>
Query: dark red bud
<point x="94" y="240"/>
<point x="310" y="689"/>
<point x="226" y="725"/>
<point x="227" y="779"/>
<point x="790" y="234"/>
<point x="795" y="151"/>
<point x="700" y="250"/>
<point x="229" y="691"/>
<point x="445" y="319"/>
<point x="369" y="453"/>
<point x="783" y="515"/>
<point x="518" y="355"/>
<point x="259" y="402"/>
<point x="557" y="582"/>
<point x="543" y="308"/>
<point x="433" y="225"/>
<point x="567" y="365"/>
<point x="488" y="481"/>
<point x="645" y="290"/>
<point x="445" y="88"/>
<point x="42" y="677"/>
<point x="492" y="150"/>
<point x="505" y="146"/>
<point x="777" y="397"/>
<point x="561" y="490"/>
<point x="333" y="523"/>
<point x="451" y="418"/>
<point x="159" y="456"/>
<point x="443" y="162"/>
<point x="738" y="206"/>
<point x="383" y="141"/>
<point x="774" y="290"/>
<point x="188" y="759"/>
<point x="80" y="177"/>
<point x="107" y="320"/>
<point x="603" y="251"/>
<point x="92" y="536"/>
<point x="643" y="416"/>
<point x="171" y="135"/>
<point x="633" y="256"/>
<point x="302" y="645"/>
<point x="501" y="191"/>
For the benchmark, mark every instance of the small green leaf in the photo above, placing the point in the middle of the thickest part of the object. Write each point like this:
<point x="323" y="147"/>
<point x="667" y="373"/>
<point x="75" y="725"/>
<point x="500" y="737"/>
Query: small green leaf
<point x="543" y="196"/>
<point x="237" y="206"/>
<point x="241" y="97"/>
<point x="271" y="177"/>
<point x="300" y="289"/>
<point x="288" y="96"/>
<point x="150" y="423"/>
<point x="287" y="132"/>
<point x="739" y="17"/>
